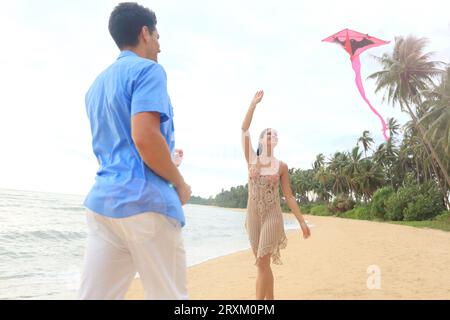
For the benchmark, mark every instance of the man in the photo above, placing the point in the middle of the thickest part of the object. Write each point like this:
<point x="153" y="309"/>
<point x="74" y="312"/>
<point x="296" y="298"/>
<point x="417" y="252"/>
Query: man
<point x="134" y="208"/>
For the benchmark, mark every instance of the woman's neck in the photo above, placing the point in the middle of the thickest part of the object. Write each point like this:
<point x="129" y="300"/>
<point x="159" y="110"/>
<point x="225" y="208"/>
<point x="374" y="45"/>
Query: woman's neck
<point x="264" y="159"/>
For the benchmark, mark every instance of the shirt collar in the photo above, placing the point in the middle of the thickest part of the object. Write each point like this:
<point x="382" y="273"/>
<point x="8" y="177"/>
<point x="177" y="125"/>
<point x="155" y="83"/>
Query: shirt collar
<point x="126" y="53"/>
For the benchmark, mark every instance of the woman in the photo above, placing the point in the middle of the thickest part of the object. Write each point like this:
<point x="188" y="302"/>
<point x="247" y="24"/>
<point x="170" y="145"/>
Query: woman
<point x="264" y="222"/>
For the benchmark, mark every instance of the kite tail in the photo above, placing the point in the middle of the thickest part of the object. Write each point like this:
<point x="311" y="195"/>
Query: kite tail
<point x="356" y="64"/>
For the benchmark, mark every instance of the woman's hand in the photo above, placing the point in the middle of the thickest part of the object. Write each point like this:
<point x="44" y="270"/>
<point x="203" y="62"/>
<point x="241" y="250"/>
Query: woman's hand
<point x="258" y="97"/>
<point x="178" y="157"/>
<point x="305" y="230"/>
<point x="248" y="117"/>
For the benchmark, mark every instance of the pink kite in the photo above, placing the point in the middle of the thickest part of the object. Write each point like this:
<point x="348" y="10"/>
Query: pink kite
<point x="356" y="43"/>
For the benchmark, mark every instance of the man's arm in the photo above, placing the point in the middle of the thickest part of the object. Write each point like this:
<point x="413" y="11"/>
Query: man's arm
<point x="153" y="149"/>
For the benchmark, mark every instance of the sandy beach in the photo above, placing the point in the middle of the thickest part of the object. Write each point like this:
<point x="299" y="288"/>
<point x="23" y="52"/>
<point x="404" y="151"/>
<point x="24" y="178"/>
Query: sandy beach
<point x="413" y="263"/>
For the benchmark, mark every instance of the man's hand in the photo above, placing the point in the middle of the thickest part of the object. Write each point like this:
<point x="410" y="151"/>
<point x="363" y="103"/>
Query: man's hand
<point x="184" y="193"/>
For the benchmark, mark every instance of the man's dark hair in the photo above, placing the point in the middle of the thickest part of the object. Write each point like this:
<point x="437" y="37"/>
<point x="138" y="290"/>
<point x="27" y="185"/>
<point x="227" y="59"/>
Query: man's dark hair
<point x="126" y="22"/>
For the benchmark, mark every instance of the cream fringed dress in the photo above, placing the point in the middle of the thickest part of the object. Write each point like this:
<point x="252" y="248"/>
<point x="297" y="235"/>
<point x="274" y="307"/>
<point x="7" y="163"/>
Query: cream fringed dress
<point x="264" y="221"/>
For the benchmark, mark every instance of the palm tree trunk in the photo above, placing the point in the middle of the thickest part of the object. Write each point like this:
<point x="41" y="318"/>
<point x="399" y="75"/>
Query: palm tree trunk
<point x="417" y="170"/>
<point x="447" y="201"/>
<point x="430" y="147"/>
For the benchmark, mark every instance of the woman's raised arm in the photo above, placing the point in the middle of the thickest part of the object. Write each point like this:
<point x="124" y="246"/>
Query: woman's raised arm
<point x="246" y="140"/>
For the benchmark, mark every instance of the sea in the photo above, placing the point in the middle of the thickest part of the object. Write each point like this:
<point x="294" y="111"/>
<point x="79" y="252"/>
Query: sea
<point x="43" y="237"/>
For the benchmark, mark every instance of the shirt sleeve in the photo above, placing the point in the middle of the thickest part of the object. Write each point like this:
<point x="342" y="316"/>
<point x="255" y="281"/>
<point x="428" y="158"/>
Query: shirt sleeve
<point x="150" y="92"/>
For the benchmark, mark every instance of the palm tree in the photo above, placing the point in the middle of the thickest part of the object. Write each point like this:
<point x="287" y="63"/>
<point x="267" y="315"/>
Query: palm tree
<point x="301" y="182"/>
<point x="437" y="121"/>
<point x="366" y="140"/>
<point x="437" y="117"/>
<point x="320" y="178"/>
<point x="421" y="162"/>
<point x="308" y="182"/>
<point x="386" y="157"/>
<point x="407" y="73"/>
<point x="337" y="171"/>
<point x="319" y="162"/>
<point x="352" y="170"/>
<point x="411" y="150"/>
<point x="321" y="188"/>
<point x="393" y="128"/>
<point x="370" y="178"/>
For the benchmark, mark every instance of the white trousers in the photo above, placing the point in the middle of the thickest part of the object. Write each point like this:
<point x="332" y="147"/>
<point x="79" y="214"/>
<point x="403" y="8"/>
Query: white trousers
<point x="149" y="244"/>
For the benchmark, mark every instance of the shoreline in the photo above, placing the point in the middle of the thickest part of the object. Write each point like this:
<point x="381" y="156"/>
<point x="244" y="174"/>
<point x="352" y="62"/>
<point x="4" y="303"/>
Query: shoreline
<point x="244" y="210"/>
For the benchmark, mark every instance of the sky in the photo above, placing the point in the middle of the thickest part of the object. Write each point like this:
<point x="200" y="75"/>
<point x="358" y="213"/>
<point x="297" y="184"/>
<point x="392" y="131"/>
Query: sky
<point x="217" y="54"/>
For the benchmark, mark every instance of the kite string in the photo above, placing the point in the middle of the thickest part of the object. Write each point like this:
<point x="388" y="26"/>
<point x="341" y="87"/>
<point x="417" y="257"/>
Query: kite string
<point x="356" y="64"/>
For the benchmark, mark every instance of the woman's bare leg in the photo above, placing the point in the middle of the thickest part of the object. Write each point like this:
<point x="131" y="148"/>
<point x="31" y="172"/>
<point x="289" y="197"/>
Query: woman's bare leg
<point x="264" y="279"/>
<point x="269" y="291"/>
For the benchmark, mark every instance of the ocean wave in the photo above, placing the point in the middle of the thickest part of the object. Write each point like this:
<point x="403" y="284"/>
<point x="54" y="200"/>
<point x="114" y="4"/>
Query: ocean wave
<point x="21" y="276"/>
<point x="43" y="235"/>
<point x="66" y="208"/>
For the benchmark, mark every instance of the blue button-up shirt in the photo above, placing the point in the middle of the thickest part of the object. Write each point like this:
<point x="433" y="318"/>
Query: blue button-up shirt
<point x="124" y="185"/>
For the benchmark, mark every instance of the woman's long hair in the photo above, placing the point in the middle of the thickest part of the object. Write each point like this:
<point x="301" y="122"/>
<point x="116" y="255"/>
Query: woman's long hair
<point x="259" y="151"/>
